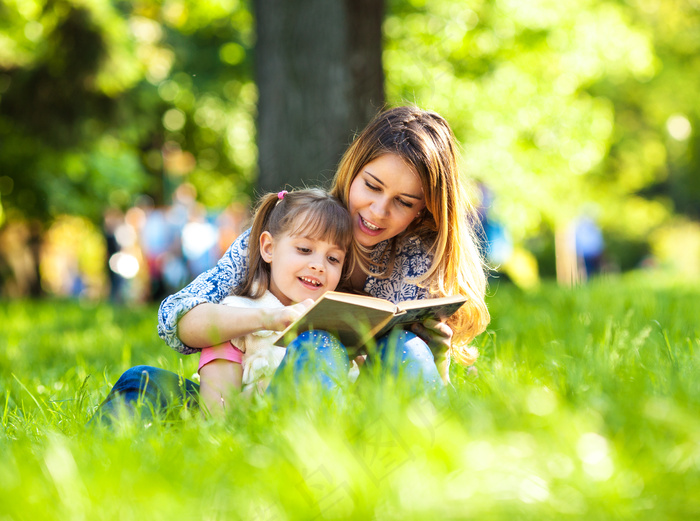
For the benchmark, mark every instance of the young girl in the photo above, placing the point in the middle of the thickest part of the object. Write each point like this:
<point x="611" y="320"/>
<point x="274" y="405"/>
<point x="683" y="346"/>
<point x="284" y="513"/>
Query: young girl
<point x="303" y="237"/>
<point x="414" y="233"/>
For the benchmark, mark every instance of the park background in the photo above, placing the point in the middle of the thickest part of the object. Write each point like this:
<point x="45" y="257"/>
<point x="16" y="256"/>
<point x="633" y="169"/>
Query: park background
<point x="571" y="116"/>
<point x="583" y="403"/>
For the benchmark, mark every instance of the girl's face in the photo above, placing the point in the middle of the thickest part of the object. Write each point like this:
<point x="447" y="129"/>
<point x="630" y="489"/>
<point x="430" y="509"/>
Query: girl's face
<point x="385" y="196"/>
<point x="301" y="267"/>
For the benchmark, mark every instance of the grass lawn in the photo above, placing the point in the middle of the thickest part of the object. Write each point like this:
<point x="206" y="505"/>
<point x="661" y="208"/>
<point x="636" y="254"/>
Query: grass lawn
<point x="586" y="404"/>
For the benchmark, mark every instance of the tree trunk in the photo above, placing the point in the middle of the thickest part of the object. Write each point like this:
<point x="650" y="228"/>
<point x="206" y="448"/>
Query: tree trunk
<point x="568" y="272"/>
<point x="320" y="80"/>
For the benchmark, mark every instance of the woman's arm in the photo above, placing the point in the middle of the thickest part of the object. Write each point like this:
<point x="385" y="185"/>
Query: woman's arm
<point x="210" y="287"/>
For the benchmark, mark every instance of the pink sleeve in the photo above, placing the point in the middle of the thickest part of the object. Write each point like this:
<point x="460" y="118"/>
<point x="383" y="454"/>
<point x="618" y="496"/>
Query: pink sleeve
<point x="224" y="351"/>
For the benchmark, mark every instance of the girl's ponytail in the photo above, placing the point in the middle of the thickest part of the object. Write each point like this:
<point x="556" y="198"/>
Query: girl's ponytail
<point x="258" y="279"/>
<point x="311" y="212"/>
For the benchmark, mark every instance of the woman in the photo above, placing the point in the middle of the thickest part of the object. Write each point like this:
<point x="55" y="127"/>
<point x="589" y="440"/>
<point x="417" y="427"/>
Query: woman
<point x="414" y="237"/>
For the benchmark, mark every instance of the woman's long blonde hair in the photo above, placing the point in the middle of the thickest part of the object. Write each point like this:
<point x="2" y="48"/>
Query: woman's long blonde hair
<point x="449" y="224"/>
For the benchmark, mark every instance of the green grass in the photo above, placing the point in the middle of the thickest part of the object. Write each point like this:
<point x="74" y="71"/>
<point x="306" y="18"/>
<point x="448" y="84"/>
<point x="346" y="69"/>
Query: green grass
<point x="586" y="405"/>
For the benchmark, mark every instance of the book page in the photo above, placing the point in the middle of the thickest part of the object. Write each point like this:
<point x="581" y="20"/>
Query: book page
<point x="360" y="300"/>
<point x="433" y="302"/>
<point x="351" y="318"/>
<point x="420" y="310"/>
<point x="356" y="319"/>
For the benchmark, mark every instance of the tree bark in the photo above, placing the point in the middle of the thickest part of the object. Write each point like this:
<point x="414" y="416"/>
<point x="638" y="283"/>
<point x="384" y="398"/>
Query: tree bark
<point x="319" y="74"/>
<point x="568" y="272"/>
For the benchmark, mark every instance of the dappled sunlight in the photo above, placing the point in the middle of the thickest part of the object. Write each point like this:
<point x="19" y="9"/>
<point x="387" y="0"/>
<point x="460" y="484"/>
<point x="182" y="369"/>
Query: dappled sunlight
<point x="676" y="248"/>
<point x="556" y="106"/>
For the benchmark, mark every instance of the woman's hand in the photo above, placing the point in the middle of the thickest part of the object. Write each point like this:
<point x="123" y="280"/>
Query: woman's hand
<point x="278" y="319"/>
<point x="438" y="336"/>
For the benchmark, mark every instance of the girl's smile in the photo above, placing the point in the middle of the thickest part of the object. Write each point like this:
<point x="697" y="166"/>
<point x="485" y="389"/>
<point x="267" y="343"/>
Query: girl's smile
<point x="301" y="267"/>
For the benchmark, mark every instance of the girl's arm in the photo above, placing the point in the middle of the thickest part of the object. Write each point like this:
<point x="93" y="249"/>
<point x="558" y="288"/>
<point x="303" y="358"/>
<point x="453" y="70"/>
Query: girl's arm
<point x="220" y="380"/>
<point x="210" y="287"/>
<point x="211" y="324"/>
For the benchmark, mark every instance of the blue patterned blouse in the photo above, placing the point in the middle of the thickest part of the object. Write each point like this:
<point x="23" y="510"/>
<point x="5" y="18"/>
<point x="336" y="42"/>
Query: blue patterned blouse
<point x="214" y="285"/>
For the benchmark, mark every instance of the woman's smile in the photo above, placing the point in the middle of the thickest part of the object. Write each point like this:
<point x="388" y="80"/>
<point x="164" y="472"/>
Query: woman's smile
<point x="385" y="197"/>
<point x="370" y="228"/>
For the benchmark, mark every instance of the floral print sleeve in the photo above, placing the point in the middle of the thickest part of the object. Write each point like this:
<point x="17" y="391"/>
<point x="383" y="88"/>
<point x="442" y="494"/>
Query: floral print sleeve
<point x="411" y="262"/>
<point x="211" y="286"/>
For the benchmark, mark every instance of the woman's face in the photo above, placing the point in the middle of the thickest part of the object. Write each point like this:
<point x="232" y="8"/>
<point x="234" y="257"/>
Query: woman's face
<point x="385" y="196"/>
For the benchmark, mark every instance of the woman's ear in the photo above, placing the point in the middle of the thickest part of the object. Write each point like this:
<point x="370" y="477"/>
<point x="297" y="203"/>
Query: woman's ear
<point x="267" y="245"/>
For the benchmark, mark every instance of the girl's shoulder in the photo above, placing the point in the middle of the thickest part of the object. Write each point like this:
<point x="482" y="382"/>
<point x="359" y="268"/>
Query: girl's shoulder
<point x="268" y="300"/>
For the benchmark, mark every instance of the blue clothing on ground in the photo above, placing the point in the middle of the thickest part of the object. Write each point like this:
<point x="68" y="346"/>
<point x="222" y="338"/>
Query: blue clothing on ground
<point x="149" y="389"/>
<point x="315" y="359"/>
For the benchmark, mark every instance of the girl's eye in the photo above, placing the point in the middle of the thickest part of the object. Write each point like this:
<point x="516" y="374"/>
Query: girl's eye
<point x="333" y="260"/>
<point x="303" y="250"/>
<point x="372" y="187"/>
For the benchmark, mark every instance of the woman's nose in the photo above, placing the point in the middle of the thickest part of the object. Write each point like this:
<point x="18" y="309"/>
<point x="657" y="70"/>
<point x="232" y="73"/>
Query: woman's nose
<point x="380" y="207"/>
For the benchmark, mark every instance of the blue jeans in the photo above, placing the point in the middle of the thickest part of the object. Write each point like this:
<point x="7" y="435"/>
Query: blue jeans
<point x="150" y="390"/>
<point x="315" y="359"/>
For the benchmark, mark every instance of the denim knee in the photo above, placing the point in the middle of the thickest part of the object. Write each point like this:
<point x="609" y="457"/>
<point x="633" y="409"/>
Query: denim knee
<point x="404" y="354"/>
<point x="314" y="357"/>
<point x="150" y="386"/>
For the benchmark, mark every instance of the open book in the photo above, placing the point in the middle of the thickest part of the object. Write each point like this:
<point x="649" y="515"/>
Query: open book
<point x="356" y="319"/>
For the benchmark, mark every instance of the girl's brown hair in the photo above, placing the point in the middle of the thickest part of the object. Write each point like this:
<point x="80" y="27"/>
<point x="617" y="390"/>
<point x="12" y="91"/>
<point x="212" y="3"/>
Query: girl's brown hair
<point x="312" y="213"/>
<point x="449" y="223"/>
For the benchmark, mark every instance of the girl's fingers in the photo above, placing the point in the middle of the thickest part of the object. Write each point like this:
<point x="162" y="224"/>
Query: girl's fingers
<point x="302" y="306"/>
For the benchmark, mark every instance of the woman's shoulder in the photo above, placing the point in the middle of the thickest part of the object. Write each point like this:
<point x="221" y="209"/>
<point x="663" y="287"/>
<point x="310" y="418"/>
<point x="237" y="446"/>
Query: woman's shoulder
<point x="413" y="255"/>
<point x="240" y="245"/>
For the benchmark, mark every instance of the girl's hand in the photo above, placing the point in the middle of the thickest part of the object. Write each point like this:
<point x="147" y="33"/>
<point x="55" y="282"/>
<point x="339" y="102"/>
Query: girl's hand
<point x="438" y="336"/>
<point x="278" y="319"/>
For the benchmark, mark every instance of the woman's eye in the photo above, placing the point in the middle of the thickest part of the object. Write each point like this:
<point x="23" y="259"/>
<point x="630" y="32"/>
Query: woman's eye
<point x="405" y="204"/>
<point x="372" y="187"/>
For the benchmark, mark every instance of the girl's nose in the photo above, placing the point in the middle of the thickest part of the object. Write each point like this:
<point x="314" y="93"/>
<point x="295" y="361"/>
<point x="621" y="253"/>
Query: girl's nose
<point x="316" y="265"/>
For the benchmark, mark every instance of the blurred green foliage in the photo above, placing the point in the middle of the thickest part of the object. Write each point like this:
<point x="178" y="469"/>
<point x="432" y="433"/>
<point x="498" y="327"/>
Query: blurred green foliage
<point x="563" y="108"/>
<point x="103" y="100"/>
